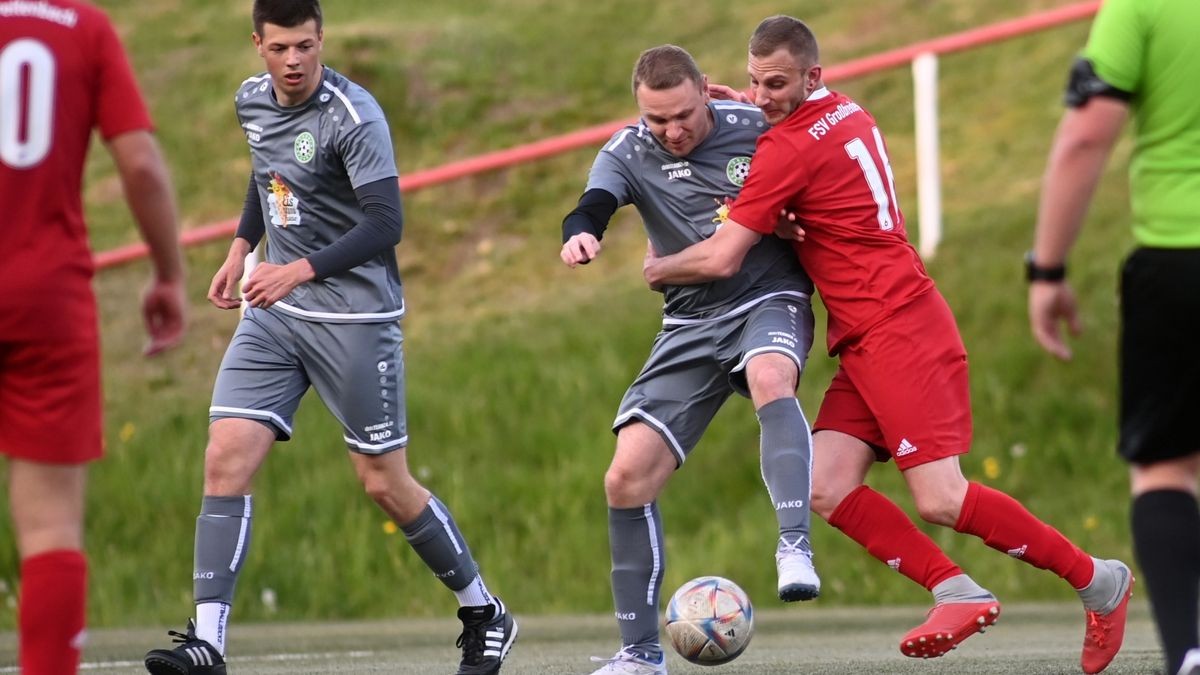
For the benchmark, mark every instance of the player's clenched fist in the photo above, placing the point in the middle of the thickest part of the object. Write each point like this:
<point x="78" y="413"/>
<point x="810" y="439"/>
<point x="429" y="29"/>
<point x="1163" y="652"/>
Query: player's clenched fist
<point x="580" y="249"/>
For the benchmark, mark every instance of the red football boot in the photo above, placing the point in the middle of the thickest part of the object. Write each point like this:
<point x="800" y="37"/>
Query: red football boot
<point x="946" y="625"/>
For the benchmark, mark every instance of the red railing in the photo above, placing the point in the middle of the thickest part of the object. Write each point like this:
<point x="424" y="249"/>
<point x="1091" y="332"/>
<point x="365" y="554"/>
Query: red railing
<point x="594" y="135"/>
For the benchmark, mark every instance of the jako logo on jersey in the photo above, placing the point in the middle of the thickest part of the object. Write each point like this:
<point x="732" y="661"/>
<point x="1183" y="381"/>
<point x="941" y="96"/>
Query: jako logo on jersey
<point x="905" y="448"/>
<point x="894" y="563"/>
<point x="202" y="575"/>
<point x="676" y="170"/>
<point x="737" y="169"/>
<point x="626" y="616"/>
<point x="1018" y="552"/>
<point x="793" y="504"/>
<point x="305" y="148"/>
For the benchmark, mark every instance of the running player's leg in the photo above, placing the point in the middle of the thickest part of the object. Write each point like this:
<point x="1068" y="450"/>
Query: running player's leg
<point x="773" y="349"/>
<point x="50" y="427"/>
<point x="841" y="461"/>
<point x="46" y="502"/>
<point x="661" y="418"/>
<point x="257" y="391"/>
<point x="358" y="370"/>
<point x="912" y="372"/>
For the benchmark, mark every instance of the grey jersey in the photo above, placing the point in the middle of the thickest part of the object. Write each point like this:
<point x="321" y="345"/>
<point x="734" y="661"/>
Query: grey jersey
<point x="678" y="199"/>
<point x="307" y="160"/>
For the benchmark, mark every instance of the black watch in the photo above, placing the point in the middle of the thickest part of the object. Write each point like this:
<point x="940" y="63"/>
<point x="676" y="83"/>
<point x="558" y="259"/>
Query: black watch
<point x="1035" y="272"/>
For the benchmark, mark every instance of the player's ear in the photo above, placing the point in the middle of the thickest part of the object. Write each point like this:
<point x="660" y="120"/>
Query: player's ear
<point x="704" y="88"/>
<point x="258" y="43"/>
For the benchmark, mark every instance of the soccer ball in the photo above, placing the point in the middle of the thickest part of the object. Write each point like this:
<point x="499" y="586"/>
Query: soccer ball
<point x="710" y="621"/>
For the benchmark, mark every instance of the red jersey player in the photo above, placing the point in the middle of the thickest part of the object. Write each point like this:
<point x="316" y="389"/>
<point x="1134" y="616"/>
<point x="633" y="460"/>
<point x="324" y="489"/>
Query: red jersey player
<point x="901" y="387"/>
<point x="63" y="72"/>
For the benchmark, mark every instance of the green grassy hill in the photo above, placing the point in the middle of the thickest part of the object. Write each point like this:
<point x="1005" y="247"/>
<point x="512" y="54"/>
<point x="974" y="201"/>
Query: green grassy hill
<point x="516" y="364"/>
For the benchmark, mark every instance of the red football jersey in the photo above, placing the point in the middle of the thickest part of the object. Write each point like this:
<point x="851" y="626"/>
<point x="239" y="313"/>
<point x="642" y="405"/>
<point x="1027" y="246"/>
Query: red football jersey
<point x="827" y="162"/>
<point x="63" y="72"/>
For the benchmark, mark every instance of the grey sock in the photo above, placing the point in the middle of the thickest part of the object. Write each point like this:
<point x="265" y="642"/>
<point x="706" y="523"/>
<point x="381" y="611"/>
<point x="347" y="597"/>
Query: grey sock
<point x="435" y="537"/>
<point x="961" y="588"/>
<point x="222" y="541"/>
<point x="786" y="452"/>
<point x="1107" y="588"/>
<point x="636" y="539"/>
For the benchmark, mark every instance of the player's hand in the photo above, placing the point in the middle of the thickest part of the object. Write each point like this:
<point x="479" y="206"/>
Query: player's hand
<point x="788" y="226"/>
<point x="271" y="283"/>
<point x="580" y="249"/>
<point x="651" y="257"/>
<point x="223" y="291"/>
<point x="723" y="92"/>
<point x="164" y="312"/>
<point x="1052" y="303"/>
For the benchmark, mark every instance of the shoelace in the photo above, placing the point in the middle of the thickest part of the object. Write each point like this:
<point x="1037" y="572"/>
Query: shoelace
<point x="793" y="547"/>
<point x="1096" y="629"/>
<point x="470" y="641"/>
<point x="181" y="638"/>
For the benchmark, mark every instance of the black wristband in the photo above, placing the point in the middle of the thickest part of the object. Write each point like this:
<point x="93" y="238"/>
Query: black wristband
<point x="1035" y="272"/>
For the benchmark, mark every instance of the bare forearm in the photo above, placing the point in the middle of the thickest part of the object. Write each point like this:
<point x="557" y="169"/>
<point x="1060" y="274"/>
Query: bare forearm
<point x="695" y="264"/>
<point x="1067" y="188"/>
<point x="151" y="200"/>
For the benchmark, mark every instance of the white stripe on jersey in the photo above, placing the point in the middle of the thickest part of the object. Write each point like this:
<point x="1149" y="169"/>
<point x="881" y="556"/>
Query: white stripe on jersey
<point x="740" y="309"/>
<point x="735" y="105"/>
<point x="345" y="101"/>
<point x="612" y="145"/>
<point x="250" y="80"/>
<point x="365" y="316"/>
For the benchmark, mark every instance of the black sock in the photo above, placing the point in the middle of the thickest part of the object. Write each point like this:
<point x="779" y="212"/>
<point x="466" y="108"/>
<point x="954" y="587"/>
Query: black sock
<point x="1166" y="538"/>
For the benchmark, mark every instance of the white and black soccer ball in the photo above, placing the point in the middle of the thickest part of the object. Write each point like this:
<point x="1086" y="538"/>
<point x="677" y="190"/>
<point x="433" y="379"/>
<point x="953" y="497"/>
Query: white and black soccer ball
<point x="710" y="621"/>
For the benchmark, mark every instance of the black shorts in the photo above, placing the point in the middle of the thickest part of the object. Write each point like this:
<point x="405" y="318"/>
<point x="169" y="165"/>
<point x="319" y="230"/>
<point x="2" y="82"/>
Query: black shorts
<point x="1160" y="354"/>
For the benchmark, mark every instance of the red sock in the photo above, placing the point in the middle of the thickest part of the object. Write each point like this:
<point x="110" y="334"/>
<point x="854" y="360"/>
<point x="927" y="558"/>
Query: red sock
<point x="52" y="612"/>
<point x="1002" y="523"/>
<point x="887" y="533"/>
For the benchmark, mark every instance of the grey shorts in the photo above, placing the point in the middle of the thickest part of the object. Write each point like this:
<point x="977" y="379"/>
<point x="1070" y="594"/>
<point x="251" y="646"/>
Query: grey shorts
<point x="694" y="367"/>
<point x="356" y="368"/>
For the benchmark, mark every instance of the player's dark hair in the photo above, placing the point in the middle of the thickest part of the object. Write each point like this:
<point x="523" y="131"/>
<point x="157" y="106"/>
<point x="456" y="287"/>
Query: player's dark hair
<point x="787" y="32"/>
<point x="285" y="13"/>
<point x="665" y="67"/>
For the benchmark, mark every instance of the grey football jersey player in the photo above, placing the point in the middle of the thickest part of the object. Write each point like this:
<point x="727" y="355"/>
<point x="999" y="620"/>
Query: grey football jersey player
<point x="307" y="161"/>
<point x="679" y="199"/>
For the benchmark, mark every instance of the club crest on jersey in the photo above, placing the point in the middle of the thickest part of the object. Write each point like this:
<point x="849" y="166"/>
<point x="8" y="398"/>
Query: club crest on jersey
<point x="305" y="147"/>
<point x="737" y="169"/>
<point x="284" y="207"/>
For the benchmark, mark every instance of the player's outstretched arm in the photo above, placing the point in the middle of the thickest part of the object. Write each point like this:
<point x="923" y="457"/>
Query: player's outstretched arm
<point x="148" y="191"/>
<point x="718" y="257"/>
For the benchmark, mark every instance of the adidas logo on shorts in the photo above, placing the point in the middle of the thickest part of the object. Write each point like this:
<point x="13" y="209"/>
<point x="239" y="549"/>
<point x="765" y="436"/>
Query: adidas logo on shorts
<point x="905" y="448"/>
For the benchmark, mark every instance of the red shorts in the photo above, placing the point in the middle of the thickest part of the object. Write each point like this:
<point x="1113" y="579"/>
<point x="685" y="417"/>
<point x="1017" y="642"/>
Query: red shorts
<point x="903" y="388"/>
<point x="50" y="400"/>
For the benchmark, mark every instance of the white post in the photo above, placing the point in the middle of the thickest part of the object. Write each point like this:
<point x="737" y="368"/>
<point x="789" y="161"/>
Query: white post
<point x="929" y="179"/>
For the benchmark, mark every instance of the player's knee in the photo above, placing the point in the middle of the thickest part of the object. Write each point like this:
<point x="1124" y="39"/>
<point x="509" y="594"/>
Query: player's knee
<point x="627" y="488"/>
<point x="939" y="508"/>
<point x="224" y="473"/>
<point x="825" y="500"/>
<point x="772" y="383"/>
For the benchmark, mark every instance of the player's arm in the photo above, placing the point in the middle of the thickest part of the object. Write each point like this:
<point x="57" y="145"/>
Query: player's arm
<point x="1085" y="137"/>
<point x="148" y="191"/>
<point x="583" y="227"/>
<point x="378" y="231"/>
<point x="718" y="257"/>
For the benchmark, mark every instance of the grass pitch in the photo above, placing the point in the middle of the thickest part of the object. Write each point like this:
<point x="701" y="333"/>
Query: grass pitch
<point x="1031" y="639"/>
